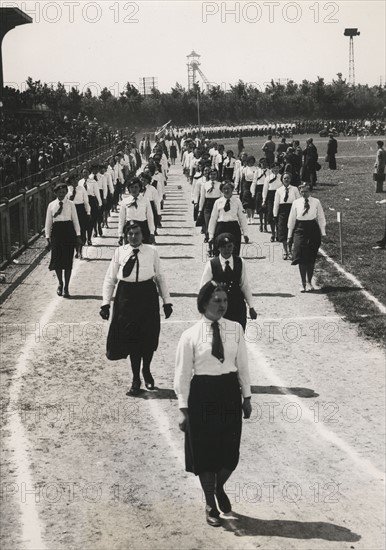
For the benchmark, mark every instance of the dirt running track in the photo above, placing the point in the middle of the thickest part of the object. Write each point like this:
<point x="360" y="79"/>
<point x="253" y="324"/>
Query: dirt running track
<point x="85" y="467"/>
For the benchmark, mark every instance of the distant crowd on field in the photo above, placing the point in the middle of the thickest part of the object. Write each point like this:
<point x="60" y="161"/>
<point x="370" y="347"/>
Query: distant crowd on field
<point x="29" y="145"/>
<point x="371" y="126"/>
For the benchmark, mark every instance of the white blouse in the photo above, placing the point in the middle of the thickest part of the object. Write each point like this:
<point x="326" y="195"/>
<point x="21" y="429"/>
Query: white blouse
<point x="207" y="194"/>
<point x="81" y="196"/>
<point x="235" y="214"/>
<point x="67" y="214"/>
<point x="142" y="213"/>
<point x="194" y="356"/>
<point x="293" y="194"/>
<point x="149" y="268"/>
<point x="315" y="213"/>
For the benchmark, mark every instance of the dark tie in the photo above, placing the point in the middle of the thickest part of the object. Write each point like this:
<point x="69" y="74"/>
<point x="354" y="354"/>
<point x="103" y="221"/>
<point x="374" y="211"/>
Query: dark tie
<point x="306" y="206"/>
<point x="85" y="184"/>
<point x="134" y="203"/>
<point x="286" y="194"/>
<point x="60" y="209"/>
<point x="129" y="265"/>
<point x="211" y="189"/>
<point x="73" y="194"/>
<point x="228" y="271"/>
<point x="227" y="206"/>
<point x="217" y="347"/>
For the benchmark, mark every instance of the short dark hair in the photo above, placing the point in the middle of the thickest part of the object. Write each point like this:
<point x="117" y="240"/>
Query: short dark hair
<point x="206" y="292"/>
<point x="380" y="143"/>
<point x="133" y="181"/>
<point x="131" y="224"/>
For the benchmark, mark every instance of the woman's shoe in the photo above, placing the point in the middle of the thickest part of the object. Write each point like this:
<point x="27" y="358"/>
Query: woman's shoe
<point x="285" y="256"/>
<point x="212" y="516"/>
<point x="89" y="243"/>
<point x="303" y="288"/>
<point x="273" y="239"/>
<point x="261" y="228"/>
<point x="66" y="293"/>
<point x="59" y="290"/>
<point x="206" y="240"/>
<point x="135" y="388"/>
<point x="265" y="229"/>
<point x="309" y="287"/>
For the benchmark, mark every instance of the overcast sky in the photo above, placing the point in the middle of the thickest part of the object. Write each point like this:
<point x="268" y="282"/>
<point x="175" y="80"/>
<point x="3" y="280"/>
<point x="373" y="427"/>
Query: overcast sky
<point x="108" y="43"/>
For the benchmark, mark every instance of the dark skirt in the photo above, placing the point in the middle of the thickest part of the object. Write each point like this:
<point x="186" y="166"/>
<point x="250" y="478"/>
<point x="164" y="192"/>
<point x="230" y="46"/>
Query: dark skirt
<point x="82" y="216"/>
<point x="228" y="227"/>
<point x="207" y="211"/>
<point x="248" y="201"/>
<point x="269" y="204"/>
<point x="212" y="437"/>
<point x="282" y="224"/>
<point x="259" y="199"/>
<point x="236" y="310"/>
<point x="135" y="325"/>
<point x="63" y="240"/>
<point x="306" y="242"/>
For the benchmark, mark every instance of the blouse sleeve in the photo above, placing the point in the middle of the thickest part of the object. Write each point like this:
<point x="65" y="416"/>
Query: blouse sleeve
<point x="49" y="222"/>
<point x="291" y="220"/>
<point x="183" y="370"/>
<point x="74" y="217"/>
<point x="160" y="279"/>
<point x="213" y="220"/>
<point x="111" y="279"/>
<point x="86" y="202"/>
<point x="321" y="218"/>
<point x="242" y="367"/>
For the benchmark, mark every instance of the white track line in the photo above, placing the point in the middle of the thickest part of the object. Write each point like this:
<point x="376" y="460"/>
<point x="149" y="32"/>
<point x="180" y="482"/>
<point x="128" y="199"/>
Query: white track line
<point x="357" y="283"/>
<point x="324" y="433"/>
<point x="31" y="524"/>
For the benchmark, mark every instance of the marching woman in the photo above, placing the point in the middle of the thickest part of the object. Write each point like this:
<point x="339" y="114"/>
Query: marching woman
<point x="136" y="207"/>
<point x="227" y="217"/>
<point x="151" y="193"/>
<point x="229" y="269"/>
<point x="211" y="375"/>
<point x="94" y="199"/>
<point x="229" y="167"/>
<point x="257" y="192"/>
<point x="135" y="325"/>
<point x="247" y="175"/>
<point x="173" y="150"/>
<point x="210" y="193"/>
<point x="284" y="197"/>
<point x="306" y="227"/>
<point x="271" y="184"/>
<point x="240" y="163"/>
<point x="78" y="195"/>
<point x="62" y="231"/>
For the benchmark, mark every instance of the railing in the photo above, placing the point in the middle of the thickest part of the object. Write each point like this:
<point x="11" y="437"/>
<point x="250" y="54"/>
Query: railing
<point x="22" y="218"/>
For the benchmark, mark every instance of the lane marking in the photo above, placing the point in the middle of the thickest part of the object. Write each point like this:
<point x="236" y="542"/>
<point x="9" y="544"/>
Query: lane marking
<point x="355" y="281"/>
<point x="31" y="524"/>
<point x="324" y="433"/>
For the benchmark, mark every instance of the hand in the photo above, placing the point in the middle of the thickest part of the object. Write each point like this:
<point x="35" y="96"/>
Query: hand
<point x="151" y="239"/>
<point x="246" y="239"/>
<point x="252" y="313"/>
<point x="120" y="241"/>
<point x="247" y="407"/>
<point x="79" y="241"/>
<point x="104" y="312"/>
<point x="183" y="419"/>
<point x="168" y="310"/>
<point x="48" y="245"/>
<point x="210" y="243"/>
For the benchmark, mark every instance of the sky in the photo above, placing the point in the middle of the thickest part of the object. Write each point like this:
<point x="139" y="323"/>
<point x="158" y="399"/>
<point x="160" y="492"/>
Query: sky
<point x="108" y="43"/>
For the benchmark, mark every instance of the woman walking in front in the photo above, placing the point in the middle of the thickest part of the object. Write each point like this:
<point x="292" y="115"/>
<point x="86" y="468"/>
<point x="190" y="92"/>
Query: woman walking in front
<point x="211" y="378"/>
<point x="306" y="227"/>
<point x="284" y="197"/>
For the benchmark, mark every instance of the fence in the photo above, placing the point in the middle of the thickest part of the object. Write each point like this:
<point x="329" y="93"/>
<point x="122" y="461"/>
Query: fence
<point x="22" y="218"/>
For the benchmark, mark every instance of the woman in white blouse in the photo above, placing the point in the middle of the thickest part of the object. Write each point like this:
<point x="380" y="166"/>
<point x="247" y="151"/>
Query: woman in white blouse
<point x="78" y="195"/>
<point x="210" y="193"/>
<point x="284" y="197"/>
<point x="63" y="234"/>
<point x="135" y="326"/>
<point x="211" y="376"/>
<point x="306" y="227"/>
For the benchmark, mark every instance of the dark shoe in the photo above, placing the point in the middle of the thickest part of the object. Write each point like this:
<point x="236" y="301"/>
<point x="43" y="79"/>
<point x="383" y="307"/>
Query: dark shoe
<point x="149" y="386"/>
<point x="135" y="388"/>
<point x="77" y="255"/>
<point x="100" y="233"/>
<point x="66" y="294"/>
<point x="89" y="243"/>
<point x="265" y="229"/>
<point x="261" y="228"/>
<point x="273" y="238"/>
<point x="95" y="234"/>
<point x="223" y="502"/>
<point x="149" y="381"/>
<point x="206" y="240"/>
<point x="59" y="290"/>
<point x="212" y="516"/>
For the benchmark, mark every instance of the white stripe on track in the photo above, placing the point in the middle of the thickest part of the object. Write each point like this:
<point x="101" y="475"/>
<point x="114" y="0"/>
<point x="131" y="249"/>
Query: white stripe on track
<point x="357" y="283"/>
<point x="324" y="433"/>
<point x="31" y="524"/>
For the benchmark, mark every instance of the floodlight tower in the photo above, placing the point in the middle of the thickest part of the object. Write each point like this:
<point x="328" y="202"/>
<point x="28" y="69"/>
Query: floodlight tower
<point x="351" y="66"/>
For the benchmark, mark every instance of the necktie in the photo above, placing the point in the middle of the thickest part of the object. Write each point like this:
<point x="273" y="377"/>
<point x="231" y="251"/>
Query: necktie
<point x="211" y="189"/>
<point x="60" y="209"/>
<point x="227" y="206"/>
<point x="286" y="194"/>
<point x="217" y="346"/>
<point x="73" y="194"/>
<point x="134" y="203"/>
<point x="129" y="265"/>
<point x="228" y="270"/>
<point x="85" y="184"/>
<point x="306" y="206"/>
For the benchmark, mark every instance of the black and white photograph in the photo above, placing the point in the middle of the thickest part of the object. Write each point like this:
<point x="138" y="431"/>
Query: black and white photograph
<point x="192" y="275"/>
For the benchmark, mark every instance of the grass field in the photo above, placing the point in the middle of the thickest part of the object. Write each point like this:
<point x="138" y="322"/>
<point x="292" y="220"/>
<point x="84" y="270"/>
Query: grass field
<point x="351" y="191"/>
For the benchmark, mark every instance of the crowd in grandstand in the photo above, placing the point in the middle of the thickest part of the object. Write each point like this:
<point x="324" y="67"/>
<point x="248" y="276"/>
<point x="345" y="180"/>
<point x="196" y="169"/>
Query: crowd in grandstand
<point x="29" y="145"/>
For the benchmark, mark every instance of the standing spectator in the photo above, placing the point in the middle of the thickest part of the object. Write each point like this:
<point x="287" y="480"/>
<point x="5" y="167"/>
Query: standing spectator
<point x="332" y="149"/>
<point x="269" y="151"/>
<point x="211" y="374"/>
<point x="306" y="227"/>
<point x="310" y="165"/>
<point x="379" y="167"/>
<point x="240" y="145"/>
